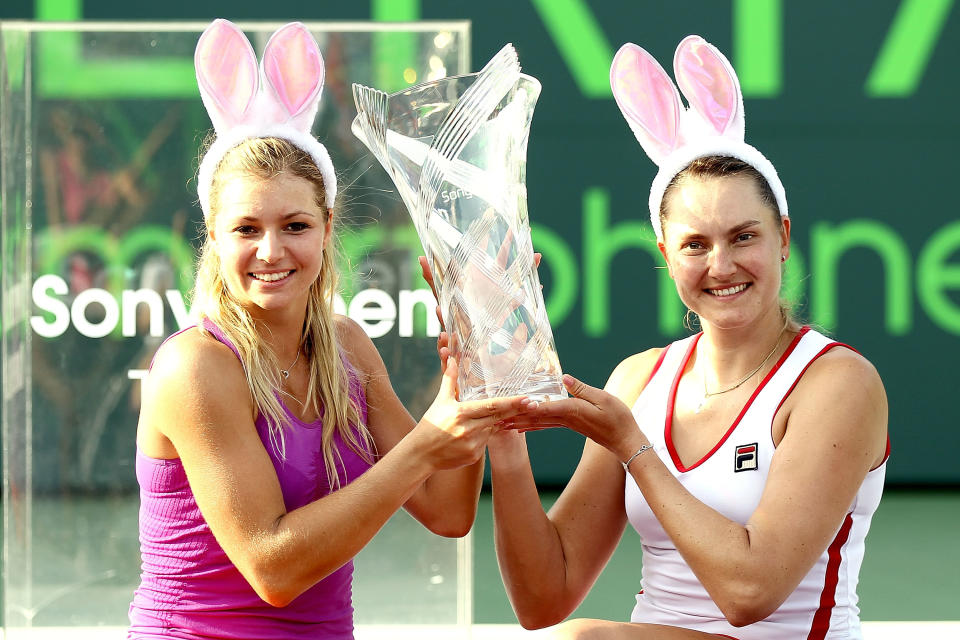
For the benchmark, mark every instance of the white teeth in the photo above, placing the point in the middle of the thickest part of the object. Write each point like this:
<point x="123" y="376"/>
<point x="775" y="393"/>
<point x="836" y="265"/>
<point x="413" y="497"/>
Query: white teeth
<point x="728" y="292"/>
<point x="271" y="277"/>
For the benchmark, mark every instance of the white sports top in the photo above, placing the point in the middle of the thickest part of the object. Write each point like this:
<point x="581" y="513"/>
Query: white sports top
<point x="731" y="479"/>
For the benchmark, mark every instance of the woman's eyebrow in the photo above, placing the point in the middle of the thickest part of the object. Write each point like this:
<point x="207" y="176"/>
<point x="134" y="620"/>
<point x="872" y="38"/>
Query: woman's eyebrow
<point x="744" y="225"/>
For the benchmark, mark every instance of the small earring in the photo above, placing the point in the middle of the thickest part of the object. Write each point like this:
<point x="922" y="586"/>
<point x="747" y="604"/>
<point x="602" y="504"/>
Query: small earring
<point x="783" y="258"/>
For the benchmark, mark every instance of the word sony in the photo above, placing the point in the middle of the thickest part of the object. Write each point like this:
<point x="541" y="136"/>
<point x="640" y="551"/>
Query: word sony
<point x="97" y="313"/>
<point x="455" y="194"/>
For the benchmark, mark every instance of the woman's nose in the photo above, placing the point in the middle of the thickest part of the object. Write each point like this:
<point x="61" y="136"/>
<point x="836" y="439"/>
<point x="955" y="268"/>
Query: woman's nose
<point x="270" y="248"/>
<point x="721" y="262"/>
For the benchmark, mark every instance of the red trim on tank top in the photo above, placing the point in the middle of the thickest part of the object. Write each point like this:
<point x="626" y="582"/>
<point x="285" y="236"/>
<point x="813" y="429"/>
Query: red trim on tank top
<point x="656" y="367"/>
<point x="796" y="380"/>
<point x="786" y="395"/>
<point x="672" y="397"/>
<point x="828" y="597"/>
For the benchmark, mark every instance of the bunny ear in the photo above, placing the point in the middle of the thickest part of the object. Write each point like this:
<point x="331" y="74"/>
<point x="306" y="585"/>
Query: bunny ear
<point x="226" y="73"/>
<point x="710" y="85"/>
<point x="648" y="99"/>
<point x="293" y="68"/>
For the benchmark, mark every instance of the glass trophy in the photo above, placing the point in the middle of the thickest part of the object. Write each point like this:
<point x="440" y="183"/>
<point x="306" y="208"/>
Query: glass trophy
<point x="456" y="151"/>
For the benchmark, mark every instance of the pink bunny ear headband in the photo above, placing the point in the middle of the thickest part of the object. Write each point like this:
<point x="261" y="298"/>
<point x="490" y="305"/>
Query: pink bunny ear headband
<point x="674" y="137"/>
<point x="277" y="99"/>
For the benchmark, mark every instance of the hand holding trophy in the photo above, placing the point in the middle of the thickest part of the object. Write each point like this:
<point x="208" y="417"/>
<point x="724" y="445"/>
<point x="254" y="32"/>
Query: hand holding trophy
<point x="456" y="151"/>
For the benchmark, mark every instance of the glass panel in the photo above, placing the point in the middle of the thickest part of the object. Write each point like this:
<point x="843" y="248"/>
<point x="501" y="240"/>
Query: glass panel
<point x="15" y="238"/>
<point x="100" y="130"/>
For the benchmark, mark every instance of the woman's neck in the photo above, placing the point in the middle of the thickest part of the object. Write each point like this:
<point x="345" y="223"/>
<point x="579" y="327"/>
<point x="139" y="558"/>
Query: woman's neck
<point x="730" y="353"/>
<point x="281" y="331"/>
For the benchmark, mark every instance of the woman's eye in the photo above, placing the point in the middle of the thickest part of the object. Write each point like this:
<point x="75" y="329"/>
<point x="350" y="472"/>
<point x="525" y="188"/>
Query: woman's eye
<point x="298" y="226"/>
<point x="245" y="230"/>
<point x="743" y="237"/>
<point x="694" y="245"/>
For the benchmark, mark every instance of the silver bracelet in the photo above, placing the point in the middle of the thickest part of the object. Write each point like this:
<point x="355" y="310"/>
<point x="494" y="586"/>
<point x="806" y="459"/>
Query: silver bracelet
<point x="626" y="465"/>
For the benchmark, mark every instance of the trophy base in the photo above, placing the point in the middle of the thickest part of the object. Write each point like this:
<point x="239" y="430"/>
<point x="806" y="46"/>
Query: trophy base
<point x="540" y="387"/>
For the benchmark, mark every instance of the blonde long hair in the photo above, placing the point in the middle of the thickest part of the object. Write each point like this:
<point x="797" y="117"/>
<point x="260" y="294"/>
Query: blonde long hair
<point x="329" y="384"/>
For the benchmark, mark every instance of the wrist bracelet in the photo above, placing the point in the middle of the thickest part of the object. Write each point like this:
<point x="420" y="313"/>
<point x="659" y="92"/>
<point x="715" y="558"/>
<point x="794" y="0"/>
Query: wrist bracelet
<point x="626" y="465"/>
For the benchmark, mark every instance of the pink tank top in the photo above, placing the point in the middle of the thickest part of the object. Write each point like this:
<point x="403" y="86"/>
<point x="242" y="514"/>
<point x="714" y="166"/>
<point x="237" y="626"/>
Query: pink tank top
<point x="189" y="588"/>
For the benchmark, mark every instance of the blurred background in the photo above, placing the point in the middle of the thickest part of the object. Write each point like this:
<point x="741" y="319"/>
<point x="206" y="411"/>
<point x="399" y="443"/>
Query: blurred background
<point x="100" y="123"/>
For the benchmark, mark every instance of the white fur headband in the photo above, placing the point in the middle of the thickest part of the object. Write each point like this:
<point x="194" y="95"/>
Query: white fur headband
<point x="279" y="98"/>
<point x="674" y="137"/>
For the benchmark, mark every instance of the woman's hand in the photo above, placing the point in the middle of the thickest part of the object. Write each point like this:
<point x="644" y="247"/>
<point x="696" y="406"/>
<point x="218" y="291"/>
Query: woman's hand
<point x="591" y="412"/>
<point x="428" y="276"/>
<point x="454" y="434"/>
<point x="443" y="349"/>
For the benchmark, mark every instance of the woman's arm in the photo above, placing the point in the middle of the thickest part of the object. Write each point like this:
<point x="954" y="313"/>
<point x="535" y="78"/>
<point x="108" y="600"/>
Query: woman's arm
<point x="446" y="502"/>
<point x="549" y="562"/>
<point x="835" y="425"/>
<point x="196" y="397"/>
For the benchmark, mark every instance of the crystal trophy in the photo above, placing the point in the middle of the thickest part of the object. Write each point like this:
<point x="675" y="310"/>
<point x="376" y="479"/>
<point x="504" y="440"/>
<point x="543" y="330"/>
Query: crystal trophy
<point x="456" y="150"/>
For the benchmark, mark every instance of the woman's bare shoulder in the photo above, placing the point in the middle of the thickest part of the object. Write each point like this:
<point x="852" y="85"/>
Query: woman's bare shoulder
<point x="194" y="366"/>
<point x="841" y="395"/>
<point x="192" y="354"/>
<point x="632" y="374"/>
<point x="357" y="346"/>
<point x="196" y="387"/>
<point x="843" y="366"/>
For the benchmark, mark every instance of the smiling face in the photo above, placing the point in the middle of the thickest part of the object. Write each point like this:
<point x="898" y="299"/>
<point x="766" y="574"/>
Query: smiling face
<point x="723" y="247"/>
<point x="270" y="235"/>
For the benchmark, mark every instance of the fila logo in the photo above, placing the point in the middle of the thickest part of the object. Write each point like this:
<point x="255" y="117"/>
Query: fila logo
<point x="746" y="457"/>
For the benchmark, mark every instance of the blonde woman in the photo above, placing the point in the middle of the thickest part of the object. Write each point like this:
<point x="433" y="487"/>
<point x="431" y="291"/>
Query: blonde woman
<point x="271" y="446"/>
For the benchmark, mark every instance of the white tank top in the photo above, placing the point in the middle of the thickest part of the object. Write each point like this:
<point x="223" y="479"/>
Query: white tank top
<point x="731" y="479"/>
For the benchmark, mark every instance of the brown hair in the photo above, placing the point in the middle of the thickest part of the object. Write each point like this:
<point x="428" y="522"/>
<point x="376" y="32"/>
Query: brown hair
<point x="329" y="386"/>
<point x="720" y="167"/>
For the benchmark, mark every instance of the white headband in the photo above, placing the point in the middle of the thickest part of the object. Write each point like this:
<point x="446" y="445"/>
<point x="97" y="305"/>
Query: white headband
<point x="277" y="99"/>
<point x="672" y="136"/>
